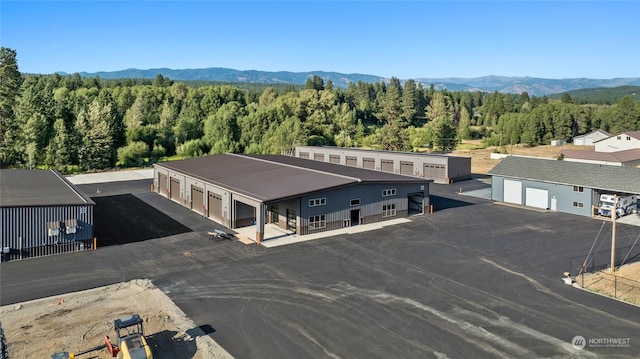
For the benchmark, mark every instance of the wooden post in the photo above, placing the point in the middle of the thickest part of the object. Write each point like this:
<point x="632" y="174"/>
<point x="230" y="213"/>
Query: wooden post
<point x="614" y="214"/>
<point x="95" y="243"/>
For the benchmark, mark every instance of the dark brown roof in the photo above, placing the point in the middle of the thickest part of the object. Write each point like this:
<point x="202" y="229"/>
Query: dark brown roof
<point x="618" y="156"/>
<point x="634" y="134"/>
<point x="270" y="177"/>
<point x="29" y="188"/>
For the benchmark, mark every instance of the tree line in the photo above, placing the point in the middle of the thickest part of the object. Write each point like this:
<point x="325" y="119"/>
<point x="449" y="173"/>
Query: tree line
<point x="79" y="124"/>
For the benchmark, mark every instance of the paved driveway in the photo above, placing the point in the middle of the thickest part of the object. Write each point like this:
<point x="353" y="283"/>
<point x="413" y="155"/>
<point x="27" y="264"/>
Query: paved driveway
<point x="474" y="279"/>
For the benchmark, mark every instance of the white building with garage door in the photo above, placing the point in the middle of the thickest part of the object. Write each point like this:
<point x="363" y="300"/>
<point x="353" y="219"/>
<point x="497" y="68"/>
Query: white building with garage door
<point x="295" y="195"/>
<point x="441" y="168"/>
<point x="570" y="187"/>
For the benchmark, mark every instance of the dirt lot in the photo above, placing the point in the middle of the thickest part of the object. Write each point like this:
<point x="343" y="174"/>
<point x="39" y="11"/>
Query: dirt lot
<point x="80" y="320"/>
<point x="625" y="285"/>
<point x="481" y="161"/>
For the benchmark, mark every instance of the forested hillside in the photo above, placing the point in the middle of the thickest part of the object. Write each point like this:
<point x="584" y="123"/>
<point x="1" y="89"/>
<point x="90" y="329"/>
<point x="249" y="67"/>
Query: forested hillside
<point x="73" y="123"/>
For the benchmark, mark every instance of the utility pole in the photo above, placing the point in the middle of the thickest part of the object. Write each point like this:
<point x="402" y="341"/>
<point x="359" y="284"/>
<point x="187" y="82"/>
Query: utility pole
<point x="614" y="214"/>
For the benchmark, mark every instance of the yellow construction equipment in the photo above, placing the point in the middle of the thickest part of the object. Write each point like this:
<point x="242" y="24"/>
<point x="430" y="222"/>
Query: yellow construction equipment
<point x="130" y="341"/>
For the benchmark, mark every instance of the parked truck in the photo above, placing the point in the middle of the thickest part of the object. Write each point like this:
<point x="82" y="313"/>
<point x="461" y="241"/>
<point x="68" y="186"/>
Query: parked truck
<point x="627" y="204"/>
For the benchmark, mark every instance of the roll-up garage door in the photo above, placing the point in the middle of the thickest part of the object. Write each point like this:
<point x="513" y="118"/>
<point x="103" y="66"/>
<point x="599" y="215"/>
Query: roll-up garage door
<point x="535" y="197"/>
<point x="406" y="168"/>
<point x="334" y="159"/>
<point x="304" y="154"/>
<point x="215" y="207"/>
<point x="352" y="161"/>
<point x="318" y="156"/>
<point x="175" y="189"/>
<point x="162" y="184"/>
<point x="369" y="163"/>
<point x="512" y="191"/>
<point x="435" y="172"/>
<point x="386" y="165"/>
<point x="197" y="199"/>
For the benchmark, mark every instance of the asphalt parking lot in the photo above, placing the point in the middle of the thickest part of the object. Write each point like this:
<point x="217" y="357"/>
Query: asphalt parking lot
<point x="474" y="279"/>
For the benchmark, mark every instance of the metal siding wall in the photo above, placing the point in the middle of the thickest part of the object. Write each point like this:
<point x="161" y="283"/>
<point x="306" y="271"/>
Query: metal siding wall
<point x="455" y="168"/>
<point x="338" y="209"/>
<point x="497" y="188"/>
<point x="26" y="228"/>
<point x="565" y="197"/>
<point x="458" y="168"/>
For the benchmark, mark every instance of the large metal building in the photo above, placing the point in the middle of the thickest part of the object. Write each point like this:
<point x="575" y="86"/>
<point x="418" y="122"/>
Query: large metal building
<point x="42" y="213"/>
<point x="570" y="187"/>
<point x="440" y="168"/>
<point x="296" y="195"/>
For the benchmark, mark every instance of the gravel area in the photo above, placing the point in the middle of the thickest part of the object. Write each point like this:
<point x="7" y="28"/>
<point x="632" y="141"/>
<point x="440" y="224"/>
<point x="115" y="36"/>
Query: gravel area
<point x="77" y="321"/>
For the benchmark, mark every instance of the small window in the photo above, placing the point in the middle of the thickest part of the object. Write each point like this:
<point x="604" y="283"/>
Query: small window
<point x="578" y="189"/>
<point x="388" y="192"/>
<point x="388" y="210"/>
<point x="628" y="138"/>
<point x="317" y="202"/>
<point x="578" y="204"/>
<point x="619" y="138"/>
<point x="355" y="202"/>
<point x="317" y="222"/>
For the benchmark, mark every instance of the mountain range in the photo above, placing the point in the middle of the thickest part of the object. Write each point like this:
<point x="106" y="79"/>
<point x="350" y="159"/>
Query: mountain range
<point x="504" y="84"/>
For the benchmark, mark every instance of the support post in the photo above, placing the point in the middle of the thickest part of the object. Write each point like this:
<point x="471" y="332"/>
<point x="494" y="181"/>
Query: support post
<point x="614" y="214"/>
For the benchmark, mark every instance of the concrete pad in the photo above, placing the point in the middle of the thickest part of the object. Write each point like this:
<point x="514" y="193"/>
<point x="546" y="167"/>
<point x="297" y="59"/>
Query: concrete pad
<point x="478" y="193"/>
<point x="116" y="176"/>
<point x="291" y="239"/>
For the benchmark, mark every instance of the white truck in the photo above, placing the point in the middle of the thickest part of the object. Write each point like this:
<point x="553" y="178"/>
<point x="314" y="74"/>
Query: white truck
<point x="627" y="204"/>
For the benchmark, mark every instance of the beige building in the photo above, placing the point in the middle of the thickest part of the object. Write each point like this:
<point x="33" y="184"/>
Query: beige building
<point x="625" y="141"/>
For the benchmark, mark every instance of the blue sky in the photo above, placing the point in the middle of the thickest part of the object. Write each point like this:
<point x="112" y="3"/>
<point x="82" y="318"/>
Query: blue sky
<point x="413" y="39"/>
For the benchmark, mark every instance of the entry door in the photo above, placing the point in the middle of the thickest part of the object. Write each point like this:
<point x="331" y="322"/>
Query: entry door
<point x="554" y="203"/>
<point x="291" y="220"/>
<point x="355" y="217"/>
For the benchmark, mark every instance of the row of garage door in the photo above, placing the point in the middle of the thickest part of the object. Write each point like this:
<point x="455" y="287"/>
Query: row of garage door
<point x="406" y="167"/>
<point x="533" y="197"/>
<point x="214" y="208"/>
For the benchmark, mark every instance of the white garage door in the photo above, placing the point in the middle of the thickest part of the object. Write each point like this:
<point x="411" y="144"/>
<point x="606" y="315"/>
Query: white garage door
<point x="536" y="197"/>
<point x="512" y="191"/>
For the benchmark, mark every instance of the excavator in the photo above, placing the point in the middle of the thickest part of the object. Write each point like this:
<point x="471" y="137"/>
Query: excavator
<point x="130" y="341"/>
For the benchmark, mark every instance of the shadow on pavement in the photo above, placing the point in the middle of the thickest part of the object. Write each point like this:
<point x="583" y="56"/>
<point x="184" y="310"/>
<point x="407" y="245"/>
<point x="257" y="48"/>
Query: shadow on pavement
<point x="441" y="203"/>
<point x="125" y="219"/>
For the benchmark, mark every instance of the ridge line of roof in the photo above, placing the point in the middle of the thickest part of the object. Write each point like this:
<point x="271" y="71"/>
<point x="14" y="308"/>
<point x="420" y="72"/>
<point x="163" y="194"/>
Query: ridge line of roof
<point x="298" y="167"/>
<point x="69" y="185"/>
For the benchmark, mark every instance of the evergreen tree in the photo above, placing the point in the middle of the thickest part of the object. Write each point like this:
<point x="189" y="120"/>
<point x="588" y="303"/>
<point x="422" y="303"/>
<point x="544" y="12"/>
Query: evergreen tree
<point x="10" y="82"/>
<point x="446" y="135"/>
<point x="96" y="149"/>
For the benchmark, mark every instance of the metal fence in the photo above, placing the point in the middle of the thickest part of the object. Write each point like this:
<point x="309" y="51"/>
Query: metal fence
<point x="45" y="250"/>
<point x="590" y="273"/>
<point x="612" y="285"/>
<point x="601" y="260"/>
